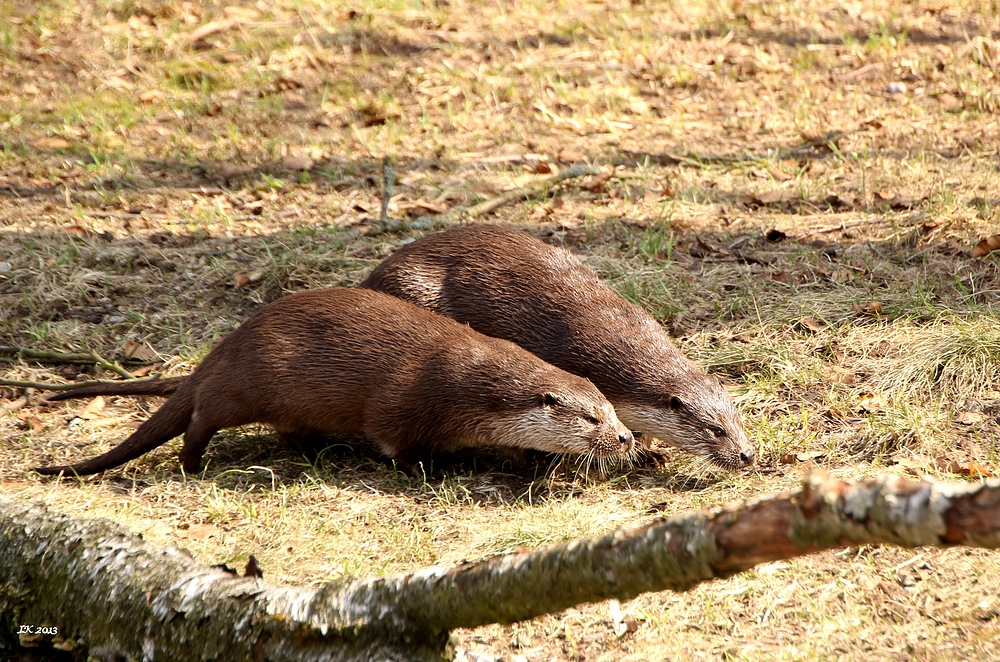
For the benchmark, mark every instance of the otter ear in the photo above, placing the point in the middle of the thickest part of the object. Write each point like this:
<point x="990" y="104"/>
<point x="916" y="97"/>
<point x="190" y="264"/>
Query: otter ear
<point x="675" y="402"/>
<point x="550" y="399"/>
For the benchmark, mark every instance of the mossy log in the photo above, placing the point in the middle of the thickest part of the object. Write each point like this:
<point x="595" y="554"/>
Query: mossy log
<point x="110" y="595"/>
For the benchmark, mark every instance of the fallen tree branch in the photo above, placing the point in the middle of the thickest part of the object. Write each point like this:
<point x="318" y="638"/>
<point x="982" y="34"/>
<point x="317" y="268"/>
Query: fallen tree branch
<point x="47" y="386"/>
<point x="697" y="159"/>
<point x="62" y="357"/>
<point x="439" y="221"/>
<point x="71" y="386"/>
<point x="59" y="571"/>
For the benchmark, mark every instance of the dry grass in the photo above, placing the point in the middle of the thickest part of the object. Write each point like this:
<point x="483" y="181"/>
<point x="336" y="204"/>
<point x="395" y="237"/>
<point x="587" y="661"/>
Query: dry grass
<point x="140" y="174"/>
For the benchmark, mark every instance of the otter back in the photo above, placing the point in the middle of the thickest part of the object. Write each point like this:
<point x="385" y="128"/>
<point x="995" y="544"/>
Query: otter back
<point x="353" y="361"/>
<point x="507" y="284"/>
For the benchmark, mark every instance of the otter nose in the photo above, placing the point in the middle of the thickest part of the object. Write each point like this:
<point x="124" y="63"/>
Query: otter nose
<point x="626" y="440"/>
<point x="747" y="456"/>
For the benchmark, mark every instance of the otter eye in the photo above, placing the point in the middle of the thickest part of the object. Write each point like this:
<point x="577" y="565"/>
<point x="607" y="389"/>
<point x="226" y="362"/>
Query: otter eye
<point x="718" y="432"/>
<point x="591" y="419"/>
<point x="550" y="399"/>
<point x="675" y="402"/>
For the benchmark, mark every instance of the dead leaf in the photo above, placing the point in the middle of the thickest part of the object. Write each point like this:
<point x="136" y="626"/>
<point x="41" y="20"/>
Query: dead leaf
<point x="870" y="308"/>
<point x="31" y="422"/>
<point x="842" y="275"/>
<point x="807" y="456"/>
<point x="420" y="208"/>
<point x="197" y="531"/>
<point x="775" y="197"/>
<point x="812" y="324"/>
<point x="208" y="30"/>
<point x="970" y="418"/>
<point x="871" y="402"/>
<point x="157" y="130"/>
<point x="52" y="142"/>
<point x="596" y="183"/>
<point x="916" y="465"/>
<point x="140" y="352"/>
<point x="537" y="163"/>
<point x="986" y="246"/>
<point x="955" y="467"/>
<point x="785" y="277"/>
<point x="839" y="375"/>
<point x="899" y="201"/>
<point x="149" y="96"/>
<point x="93" y="409"/>
<point x="242" y="279"/>
<point x="780" y="175"/>
<point x="976" y="469"/>
<point x="567" y="155"/>
<point x="142" y="370"/>
<point x="297" y="163"/>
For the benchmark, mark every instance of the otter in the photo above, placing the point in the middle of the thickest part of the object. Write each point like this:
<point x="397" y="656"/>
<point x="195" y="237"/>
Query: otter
<point x="507" y="284"/>
<point x="355" y="361"/>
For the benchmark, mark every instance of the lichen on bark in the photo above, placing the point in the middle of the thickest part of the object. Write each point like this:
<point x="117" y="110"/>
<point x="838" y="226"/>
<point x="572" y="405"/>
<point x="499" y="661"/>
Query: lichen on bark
<point x="114" y="596"/>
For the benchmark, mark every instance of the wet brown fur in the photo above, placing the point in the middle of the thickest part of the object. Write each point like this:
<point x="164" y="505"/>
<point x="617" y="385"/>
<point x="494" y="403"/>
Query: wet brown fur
<point x="507" y="284"/>
<point x="355" y="361"/>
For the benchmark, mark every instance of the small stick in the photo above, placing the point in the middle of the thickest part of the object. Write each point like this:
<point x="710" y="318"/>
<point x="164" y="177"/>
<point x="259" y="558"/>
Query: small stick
<point x="49" y="386"/>
<point x="13" y="405"/>
<point x="698" y="159"/>
<point x="388" y="179"/>
<point x="483" y="208"/>
<point x="843" y="226"/>
<point x="62" y="357"/>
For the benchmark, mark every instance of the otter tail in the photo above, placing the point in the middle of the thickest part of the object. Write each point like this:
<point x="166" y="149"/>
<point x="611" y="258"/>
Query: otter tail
<point x="163" y="386"/>
<point x="169" y="421"/>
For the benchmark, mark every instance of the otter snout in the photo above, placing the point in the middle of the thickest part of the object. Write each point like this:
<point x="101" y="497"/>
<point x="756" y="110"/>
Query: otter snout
<point x="614" y="437"/>
<point x="747" y="457"/>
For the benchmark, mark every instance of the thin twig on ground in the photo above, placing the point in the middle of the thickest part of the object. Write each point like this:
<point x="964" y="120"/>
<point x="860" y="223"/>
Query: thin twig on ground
<point x="455" y="215"/>
<point x="388" y="179"/>
<point x="843" y="226"/>
<point x="62" y="357"/>
<point x="693" y="158"/>
<point x="47" y="386"/>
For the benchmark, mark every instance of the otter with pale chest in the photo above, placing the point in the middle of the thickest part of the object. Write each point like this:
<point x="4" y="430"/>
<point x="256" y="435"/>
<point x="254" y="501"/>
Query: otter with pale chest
<point x="347" y="361"/>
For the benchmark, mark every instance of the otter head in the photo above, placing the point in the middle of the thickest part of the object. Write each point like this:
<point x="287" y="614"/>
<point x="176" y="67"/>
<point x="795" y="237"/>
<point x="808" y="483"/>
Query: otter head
<point x="566" y="420"/>
<point x="694" y="413"/>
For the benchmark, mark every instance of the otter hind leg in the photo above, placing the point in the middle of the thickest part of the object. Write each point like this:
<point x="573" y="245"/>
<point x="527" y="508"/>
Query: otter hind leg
<point x="199" y="432"/>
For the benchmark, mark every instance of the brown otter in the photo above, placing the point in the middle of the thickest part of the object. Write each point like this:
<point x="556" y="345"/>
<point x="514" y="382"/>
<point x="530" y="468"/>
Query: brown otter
<point x="354" y="361"/>
<point x="507" y="284"/>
